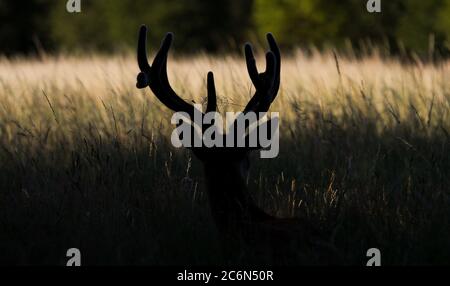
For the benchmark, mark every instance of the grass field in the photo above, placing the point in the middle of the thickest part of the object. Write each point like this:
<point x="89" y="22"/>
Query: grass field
<point x="86" y="160"/>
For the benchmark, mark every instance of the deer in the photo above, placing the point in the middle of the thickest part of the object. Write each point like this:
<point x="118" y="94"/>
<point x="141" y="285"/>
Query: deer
<point x="226" y="170"/>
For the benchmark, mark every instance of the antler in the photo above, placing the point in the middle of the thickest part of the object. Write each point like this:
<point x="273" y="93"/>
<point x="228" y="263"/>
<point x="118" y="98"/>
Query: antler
<point x="266" y="83"/>
<point x="155" y="76"/>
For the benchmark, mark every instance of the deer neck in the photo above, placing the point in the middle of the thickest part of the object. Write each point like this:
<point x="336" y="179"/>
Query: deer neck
<point x="228" y="195"/>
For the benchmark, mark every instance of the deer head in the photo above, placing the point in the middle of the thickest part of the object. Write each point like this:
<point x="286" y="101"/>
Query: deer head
<point x="226" y="168"/>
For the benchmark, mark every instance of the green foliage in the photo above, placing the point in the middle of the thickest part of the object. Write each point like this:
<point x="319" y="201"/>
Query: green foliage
<point x="409" y="24"/>
<point x="295" y="22"/>
<point x="110" y="25"/>
<point x="416" y="26"/>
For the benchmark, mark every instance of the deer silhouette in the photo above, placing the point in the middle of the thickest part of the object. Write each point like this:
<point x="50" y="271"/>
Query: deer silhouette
<point x="226" y="169"/>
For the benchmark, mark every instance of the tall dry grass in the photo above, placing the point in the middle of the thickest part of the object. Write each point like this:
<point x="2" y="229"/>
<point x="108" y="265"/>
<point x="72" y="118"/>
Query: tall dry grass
<point x="85" y="159"/>
<point x="90" y="89"/>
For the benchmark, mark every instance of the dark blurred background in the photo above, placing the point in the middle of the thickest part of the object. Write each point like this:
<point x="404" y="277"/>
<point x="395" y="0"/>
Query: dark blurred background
<point x="411" y="26"/>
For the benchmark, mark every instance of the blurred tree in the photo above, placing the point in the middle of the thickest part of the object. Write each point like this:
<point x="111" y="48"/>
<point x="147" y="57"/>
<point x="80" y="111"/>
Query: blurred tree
<point x="102" y="25"/>
<point x="323" y="22"/>
<point x="23" y="26"/>
<point x="416" y="26"/>
<point x="295" y="22"/>
<point x="111" y="25"/>
<point x="442" y="25"/>
<point x="209" y="25"/>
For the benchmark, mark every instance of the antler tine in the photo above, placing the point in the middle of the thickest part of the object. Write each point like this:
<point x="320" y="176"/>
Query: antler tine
<point x="142" y="50"/>
<point x="276" y="52"/>
<point x="267" y="96"/>
<point x="156" y="75"/>
<point x="142" y="78"/>
<point x="163" y="52"/>
<point x="212" y="98"/>
<point x="266" y="83"/>
<point x="251" y="66"/>
<point x="254" y="76"/>
<point x="160" y="69"/>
